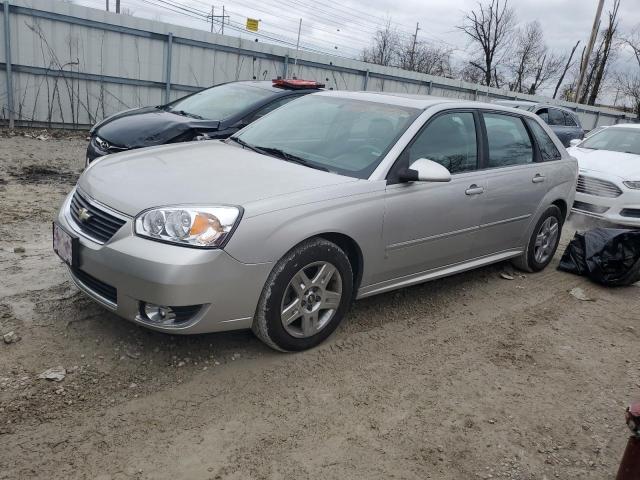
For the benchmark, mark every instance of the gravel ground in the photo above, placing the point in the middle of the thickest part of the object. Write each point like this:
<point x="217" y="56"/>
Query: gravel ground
<point x="474" y="376"/>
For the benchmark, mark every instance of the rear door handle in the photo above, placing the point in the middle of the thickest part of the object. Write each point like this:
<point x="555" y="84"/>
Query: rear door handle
<point x="474" y="190"/>
<point x="538" y="178"/>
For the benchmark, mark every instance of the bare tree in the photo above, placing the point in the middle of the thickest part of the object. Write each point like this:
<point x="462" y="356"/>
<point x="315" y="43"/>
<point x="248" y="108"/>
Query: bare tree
<point x="633" y="41"/>
<point x="489" y="29"/>
<point x="546" y="68"/>
<point x="629" y="86"/>
<point x="425" y="58"/>
<point x="531" y="62"/>
<point x="629" y="82"/>
<point x="529" y="47"/>
<point x="385" y="47"/>
<point x="470" y="73"/>
<point x="567" y="66"/>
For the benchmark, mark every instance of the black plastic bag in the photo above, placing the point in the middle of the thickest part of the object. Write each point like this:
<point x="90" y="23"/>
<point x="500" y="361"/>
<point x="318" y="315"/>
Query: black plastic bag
<point x="609" y="256"/>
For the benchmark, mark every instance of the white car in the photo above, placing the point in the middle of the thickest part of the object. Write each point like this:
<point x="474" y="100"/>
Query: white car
<point x="609" y="180"/>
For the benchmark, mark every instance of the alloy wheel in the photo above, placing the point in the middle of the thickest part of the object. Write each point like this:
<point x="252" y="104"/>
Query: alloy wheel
<point x="311" y="299"/>
<point x="546" y="240"/>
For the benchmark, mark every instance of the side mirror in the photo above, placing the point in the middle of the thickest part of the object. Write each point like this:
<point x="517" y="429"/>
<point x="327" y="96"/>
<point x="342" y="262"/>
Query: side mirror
<point x="425" y="170"/>
<point x="574" y="142"/>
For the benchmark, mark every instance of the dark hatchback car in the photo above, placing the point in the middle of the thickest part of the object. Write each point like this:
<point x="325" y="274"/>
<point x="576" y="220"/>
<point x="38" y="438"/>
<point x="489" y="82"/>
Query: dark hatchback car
<point x="215" y="113"/>
<point x="563" y="122"/>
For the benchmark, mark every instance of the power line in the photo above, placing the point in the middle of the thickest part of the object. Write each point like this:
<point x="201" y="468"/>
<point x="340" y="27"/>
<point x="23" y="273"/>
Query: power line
<point x="201" y="15"/>
<point x="333" y="33"/>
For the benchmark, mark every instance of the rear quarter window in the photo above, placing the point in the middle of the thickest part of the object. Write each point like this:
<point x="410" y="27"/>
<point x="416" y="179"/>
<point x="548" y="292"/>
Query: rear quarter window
<point x="556" y="117"/>
<point x="548" y="149"/>
<point x="569" y="120"/>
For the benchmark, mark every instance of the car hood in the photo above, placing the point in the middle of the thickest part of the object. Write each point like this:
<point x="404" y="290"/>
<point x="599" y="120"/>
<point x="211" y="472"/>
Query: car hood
<point x="144" y="127"/>
<point x="620" y="164"/>
<point x="198" y="173"/>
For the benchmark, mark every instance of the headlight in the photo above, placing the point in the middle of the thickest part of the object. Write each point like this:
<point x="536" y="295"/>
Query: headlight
<point x="205" y="227"/>
<point x="101" y="144"/>
<point x="634" y="185"/>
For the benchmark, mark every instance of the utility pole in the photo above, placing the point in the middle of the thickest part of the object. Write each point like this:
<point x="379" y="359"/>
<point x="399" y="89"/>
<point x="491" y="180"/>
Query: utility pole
<point x="413" y="48"/>
<point x="214" y="18"/>
<point x="107" y="5"/>
<point x="117" y="6"/>
<point x="295" y="62"/>
<point x="587" y="54"/>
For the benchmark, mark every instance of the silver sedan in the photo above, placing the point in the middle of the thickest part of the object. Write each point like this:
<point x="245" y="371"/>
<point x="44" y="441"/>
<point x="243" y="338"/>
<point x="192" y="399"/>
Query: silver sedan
<point x="333" y="197"/>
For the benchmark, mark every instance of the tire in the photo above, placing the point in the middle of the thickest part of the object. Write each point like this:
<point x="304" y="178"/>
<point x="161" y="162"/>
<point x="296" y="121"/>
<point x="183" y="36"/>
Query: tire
<point x="531" y="260"/>
<point x="298" y="315"/>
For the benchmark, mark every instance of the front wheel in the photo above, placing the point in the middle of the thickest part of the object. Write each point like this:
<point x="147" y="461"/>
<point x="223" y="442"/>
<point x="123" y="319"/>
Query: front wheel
<point x="543" y="243"/>
<point x="305" y="297"/>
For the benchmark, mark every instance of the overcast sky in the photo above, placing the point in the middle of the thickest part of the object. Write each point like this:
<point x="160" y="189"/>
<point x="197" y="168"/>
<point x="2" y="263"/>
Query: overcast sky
<point x="345" y="27"/>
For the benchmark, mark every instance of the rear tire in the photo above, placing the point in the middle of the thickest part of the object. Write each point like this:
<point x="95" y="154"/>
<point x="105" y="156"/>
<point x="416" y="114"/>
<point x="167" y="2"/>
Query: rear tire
<point x="305" y="297"/>
<point x="543" y="243"/>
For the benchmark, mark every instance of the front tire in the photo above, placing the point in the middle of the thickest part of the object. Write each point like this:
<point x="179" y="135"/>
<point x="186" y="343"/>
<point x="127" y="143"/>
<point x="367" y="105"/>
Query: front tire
<point x="543" y="243"/>
<point x="305" y="297"/>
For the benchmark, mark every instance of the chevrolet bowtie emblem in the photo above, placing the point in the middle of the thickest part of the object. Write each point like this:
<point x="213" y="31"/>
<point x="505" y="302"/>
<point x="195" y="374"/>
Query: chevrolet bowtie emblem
<point x="83" y="214"/>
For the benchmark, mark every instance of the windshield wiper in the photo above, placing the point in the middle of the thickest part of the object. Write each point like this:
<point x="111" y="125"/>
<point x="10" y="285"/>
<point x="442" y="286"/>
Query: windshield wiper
<point x="276" y="152"/>
<point x="186" y="114"/>
<point x="246" y="145"/>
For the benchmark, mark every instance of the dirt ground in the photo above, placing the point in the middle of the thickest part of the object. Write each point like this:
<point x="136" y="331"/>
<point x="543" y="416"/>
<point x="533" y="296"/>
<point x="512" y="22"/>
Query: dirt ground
<point x="474" y="376"/>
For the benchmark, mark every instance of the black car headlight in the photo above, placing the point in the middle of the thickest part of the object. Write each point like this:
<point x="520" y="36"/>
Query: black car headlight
<point x="101" y="144"/>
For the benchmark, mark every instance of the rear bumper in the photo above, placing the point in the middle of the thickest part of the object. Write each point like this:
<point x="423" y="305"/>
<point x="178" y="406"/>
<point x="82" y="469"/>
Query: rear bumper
<point x="141" y="270"/>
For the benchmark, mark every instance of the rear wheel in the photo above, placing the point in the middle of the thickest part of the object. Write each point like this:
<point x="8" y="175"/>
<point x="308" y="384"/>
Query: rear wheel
<point x="543" y="243"/>
<point x="305" y="297"/>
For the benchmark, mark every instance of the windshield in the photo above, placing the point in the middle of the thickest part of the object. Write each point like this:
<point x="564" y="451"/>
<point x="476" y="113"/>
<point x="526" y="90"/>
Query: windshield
<point x="342" y="135"/>
<point x="221" y="102"/>
<point x="625" y="140"/>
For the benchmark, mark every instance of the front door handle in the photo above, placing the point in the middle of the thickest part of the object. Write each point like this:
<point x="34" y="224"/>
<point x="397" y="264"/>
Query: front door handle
<point x="538" y="178"/>
<point x="474" y="190"/>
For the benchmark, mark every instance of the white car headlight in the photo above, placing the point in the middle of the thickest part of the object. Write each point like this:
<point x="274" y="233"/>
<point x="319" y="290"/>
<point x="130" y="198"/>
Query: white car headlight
<point x="634" y="185"/>
<point x="204" y="227"/>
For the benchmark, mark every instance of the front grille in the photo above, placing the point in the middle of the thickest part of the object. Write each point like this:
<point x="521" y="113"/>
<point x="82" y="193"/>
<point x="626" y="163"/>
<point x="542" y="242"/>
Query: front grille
<point x="630" y="212"/>
<point x="97" y="224"/>
<point x="98" y="287"/>
<point x="597" y="187"/>
<point x="588" y="207"/>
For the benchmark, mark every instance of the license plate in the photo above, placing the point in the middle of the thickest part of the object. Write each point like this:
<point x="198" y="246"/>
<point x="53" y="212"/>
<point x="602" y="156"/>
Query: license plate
<point x="65" y="245"/>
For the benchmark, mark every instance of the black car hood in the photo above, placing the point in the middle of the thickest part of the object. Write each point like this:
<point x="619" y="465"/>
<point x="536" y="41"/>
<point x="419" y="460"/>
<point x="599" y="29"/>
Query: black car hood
<point x="145" y="127"/>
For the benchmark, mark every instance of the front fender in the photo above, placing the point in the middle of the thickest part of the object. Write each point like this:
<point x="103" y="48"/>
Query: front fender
<point x="269" y="236"/>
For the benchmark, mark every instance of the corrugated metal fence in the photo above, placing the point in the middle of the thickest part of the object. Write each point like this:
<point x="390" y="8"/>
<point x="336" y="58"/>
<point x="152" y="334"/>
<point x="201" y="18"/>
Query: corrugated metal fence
<point x="66" y="65"/>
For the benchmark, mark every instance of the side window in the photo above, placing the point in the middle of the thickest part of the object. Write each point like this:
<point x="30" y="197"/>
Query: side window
<point x="569" y="120"/>
<point x="556" y="117"/>
<point x="272" y="106"/>
<point x="509" y="142"/>
<point x="544" y="115"/>
<point x="548" y="150"/>
<point x="450" y="140"/>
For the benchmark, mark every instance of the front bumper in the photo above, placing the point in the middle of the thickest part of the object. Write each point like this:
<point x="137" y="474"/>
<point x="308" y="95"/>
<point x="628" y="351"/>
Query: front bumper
<point x="623" y="210"/>
<point x="142" y="270"/>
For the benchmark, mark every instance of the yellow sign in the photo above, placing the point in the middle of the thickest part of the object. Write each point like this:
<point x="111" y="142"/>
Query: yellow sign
<point x="252" y="24"/>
